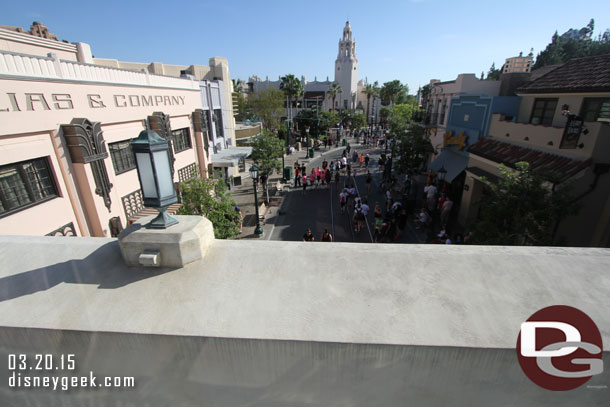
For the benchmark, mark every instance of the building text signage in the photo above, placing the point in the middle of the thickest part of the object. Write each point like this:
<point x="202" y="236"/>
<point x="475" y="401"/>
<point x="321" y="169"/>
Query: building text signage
<point x="14" y="102"/>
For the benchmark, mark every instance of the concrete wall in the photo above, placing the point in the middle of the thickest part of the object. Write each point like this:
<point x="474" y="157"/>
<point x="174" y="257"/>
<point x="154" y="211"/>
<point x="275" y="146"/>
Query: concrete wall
<point x="185" y="371"/>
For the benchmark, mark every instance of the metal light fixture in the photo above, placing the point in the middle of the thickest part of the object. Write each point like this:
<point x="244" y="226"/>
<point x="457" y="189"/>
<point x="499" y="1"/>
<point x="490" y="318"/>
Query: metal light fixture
<point x="254" y="175"/>
<point x="155" y="175"/>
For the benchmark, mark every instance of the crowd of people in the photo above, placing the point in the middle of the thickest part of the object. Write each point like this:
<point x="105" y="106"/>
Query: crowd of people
<point x="397" y="206"/>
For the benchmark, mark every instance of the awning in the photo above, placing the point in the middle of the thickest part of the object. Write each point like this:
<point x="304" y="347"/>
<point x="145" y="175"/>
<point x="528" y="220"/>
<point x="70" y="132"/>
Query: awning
<point x="454" y="163"/>
<point x="229" y="157"/>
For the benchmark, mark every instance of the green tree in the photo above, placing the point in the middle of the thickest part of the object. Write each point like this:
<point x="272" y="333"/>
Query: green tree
<point x="209" y="197"/>
<point x="384" y="114"/>
<point x="268" y="106"/>
<point x="267" y="151"/>
<point x="411" y="149"/>
<point x="358" y="121"/>
<point x="493" y="74"/>
<point x="521" y="209"/>
<point x="370" y="90"/>
<point x="333" y="91"/>
<point x="390" y="90"/>
<point x="574" y="43"/>
<point x="292" y="88"/>
<point x="328" y="120"/>
<point x="238" y="85"/>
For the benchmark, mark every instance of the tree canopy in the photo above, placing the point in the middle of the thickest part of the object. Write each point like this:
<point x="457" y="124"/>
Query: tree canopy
<point x="393" y="91"/>
<point x="574" y="43"/>
<point x="411" y="149"/>
<point x="521" y="209"/>
<point x="493" y="74"/>
<point x="267" y="151"/>
<point x="209" y="197"/>
<point x="268" y="106"/>
<point x="333" y="91"/>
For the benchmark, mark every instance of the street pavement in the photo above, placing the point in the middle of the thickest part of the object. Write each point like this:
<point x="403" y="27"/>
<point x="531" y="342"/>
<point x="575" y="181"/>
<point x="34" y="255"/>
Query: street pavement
<point x="318" y="207"/>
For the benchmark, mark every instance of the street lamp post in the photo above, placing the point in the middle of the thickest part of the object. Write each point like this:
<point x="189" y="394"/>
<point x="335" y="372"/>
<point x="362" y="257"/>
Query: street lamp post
<point x="307" y="142"/>
<point x="254" y="175"/>
<point x="442" y="173"/>
<point x="155" y="176"/>
<point x="286" y="151"/>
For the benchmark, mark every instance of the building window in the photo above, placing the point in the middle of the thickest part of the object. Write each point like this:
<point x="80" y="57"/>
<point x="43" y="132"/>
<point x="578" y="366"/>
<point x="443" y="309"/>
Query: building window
<point x="122" y="156"/>
<point x="181" y="139"/>
<point x="543" y="111"/>
<point x="25" y="184"/>
<point x="595" y="108"/>
<point x="218" y="123"/>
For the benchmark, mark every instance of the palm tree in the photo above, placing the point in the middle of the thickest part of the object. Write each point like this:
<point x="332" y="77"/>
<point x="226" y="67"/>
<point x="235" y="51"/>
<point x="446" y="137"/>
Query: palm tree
<point x="292" y="88"/>
<point x="390" y="90"/>
<point x="333" y="91"/>
<point x="238" y="85"/>
<point x="370" y="90"/>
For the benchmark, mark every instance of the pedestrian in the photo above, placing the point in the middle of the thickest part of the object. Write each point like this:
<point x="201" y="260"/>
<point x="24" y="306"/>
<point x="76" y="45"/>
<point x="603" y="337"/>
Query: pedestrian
<point x="446" y="210"/>
<point x="401" y="221"/>
<point x="303" y="169"/>
<point x="388" y="199"/>
<point x="368" y="181"/>
<point x="326" y="237"/>
<point x="312" y="177"/>
<point x="343" y="200"/>
<point x="325" y="143"/>
<point x="422" y="219"/>
<point x="327" y="177"/>
<point x="366" y="161"/>
<point x="304" y="182"/>
<point x="349" y="170"/>
<point x="365" y="207"/>
<point x="297" y="177"/>
<point x="430" y="191"/>
<point x="337" y="177"/>
<point x="354" y="157"/>
<point x="361" y="159"/>
<point x="358" y="217"/>
<point x="318" y="176"/>
<point x="308" y="236"/>
<point x="332" y="166"/>
<point x="324" y="164"/>
<point x="378" y="221"/>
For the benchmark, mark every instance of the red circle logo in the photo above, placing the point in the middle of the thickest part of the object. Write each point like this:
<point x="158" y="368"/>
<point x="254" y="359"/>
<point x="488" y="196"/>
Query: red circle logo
<point x="560" y="348"/>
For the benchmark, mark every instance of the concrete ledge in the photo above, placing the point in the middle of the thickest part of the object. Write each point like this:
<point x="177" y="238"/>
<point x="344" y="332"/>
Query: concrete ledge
<point x="175" y="246"/>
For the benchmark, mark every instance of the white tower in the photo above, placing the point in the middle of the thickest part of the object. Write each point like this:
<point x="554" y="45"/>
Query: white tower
<point x="346" y="70"/>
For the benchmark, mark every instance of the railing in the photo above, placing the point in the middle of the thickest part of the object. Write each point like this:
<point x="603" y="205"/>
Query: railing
<point x="16" y="64"/>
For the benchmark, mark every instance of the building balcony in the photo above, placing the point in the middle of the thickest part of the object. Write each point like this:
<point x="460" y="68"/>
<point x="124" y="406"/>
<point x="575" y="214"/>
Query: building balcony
<point x="591" y="142"/>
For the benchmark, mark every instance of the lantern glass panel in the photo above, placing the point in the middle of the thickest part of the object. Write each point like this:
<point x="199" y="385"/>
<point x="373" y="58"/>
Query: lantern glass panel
<point x="164" y="174"/>
<point x="147" y="177"/>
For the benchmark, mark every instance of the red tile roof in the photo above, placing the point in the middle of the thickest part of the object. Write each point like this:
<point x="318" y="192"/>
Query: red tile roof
<point x="551" y="166"/>
<point x="591" y="74"/>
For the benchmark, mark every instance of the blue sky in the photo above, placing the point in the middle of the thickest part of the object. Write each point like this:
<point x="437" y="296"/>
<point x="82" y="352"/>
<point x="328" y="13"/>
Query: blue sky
<point x="410" y="40"/>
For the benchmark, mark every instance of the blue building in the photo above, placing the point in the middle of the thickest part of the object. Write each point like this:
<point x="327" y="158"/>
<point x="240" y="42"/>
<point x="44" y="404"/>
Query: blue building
<point x="468" y="122"/>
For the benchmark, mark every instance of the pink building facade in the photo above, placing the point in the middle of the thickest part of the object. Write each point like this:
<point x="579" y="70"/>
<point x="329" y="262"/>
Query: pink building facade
<point x="66" y="166"/>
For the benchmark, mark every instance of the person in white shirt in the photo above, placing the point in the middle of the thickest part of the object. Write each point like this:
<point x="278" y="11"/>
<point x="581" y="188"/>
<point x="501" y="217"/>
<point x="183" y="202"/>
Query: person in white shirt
<point x="430" y="191"/>
<point x="365" y="208"/>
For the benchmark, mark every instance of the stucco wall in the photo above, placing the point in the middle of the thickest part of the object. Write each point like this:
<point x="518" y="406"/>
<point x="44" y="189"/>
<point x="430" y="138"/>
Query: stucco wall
<point x="185" y="371"/>
<point x="37" y="219"/>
